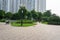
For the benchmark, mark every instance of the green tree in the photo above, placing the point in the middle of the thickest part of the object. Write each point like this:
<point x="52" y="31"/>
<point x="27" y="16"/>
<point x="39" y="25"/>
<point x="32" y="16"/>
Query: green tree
<point x="47" y="13"/>
<point x="2" y="14"/>
<point x="15" y="16"/>
<point x="29" y="15"/>
<point x="8" y="15"/>
<point x="34" y="15"/>
<point x="22" y="15"/>
<point x="39" y="16"/>
<point x="54" y="20"/>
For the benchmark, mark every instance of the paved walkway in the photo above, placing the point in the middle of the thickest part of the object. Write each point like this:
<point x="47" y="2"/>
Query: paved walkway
<point x="37" y="32"/>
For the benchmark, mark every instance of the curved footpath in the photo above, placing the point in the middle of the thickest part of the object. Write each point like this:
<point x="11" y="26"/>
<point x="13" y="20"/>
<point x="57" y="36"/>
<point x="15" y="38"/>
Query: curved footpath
<point x="37" y="32"/>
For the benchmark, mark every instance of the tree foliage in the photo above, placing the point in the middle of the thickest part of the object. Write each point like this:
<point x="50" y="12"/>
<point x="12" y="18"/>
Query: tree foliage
<point x="34" y="15"/>
<point x="2" y="14"/>
<point x="39" y="16"/>
<point x="54" y="20"/>
<point x="22" y="12"/>
<point x="15" y="16"/>
<point x="8" y="15"/>
<point x="29" y="15"/>
<point x="47" y="13"/>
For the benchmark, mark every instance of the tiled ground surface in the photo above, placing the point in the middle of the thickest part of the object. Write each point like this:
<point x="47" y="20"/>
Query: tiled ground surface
<point x="38" y="32"/>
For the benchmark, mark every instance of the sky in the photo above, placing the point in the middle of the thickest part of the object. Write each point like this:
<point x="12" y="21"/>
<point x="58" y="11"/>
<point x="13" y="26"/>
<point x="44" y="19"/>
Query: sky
<point x="54" y="6"/>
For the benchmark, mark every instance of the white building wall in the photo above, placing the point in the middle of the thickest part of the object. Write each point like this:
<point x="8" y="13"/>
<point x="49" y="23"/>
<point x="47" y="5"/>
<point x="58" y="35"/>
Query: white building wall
<point x="14" y="5"/>
<point x="0" y="4"/>
<point x="40" y="5"/>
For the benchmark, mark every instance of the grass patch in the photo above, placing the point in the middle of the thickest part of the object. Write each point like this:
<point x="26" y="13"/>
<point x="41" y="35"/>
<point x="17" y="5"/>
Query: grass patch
<point x="25" y="23"/>
<point x="45" y="22"/>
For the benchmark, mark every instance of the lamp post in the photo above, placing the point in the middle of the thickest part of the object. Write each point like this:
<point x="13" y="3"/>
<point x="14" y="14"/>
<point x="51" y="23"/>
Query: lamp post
<point x="22" y="19"/>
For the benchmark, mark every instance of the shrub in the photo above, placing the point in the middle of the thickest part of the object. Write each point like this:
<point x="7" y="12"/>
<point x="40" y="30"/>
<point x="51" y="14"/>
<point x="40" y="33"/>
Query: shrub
<point x="2" y="20"/>
<point x="55" y="20"/>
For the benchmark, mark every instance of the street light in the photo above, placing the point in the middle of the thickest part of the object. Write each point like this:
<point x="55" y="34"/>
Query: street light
<point x="22" y="19"/>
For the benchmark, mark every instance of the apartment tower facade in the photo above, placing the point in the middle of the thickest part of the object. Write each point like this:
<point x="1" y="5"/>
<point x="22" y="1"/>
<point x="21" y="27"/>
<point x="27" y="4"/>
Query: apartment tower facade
<point x="14" y="5"/>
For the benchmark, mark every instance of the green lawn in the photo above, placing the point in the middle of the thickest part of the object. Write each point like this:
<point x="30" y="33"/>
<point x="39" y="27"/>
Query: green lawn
<point x="44" y="22"/>
<point x="24" y="24"/>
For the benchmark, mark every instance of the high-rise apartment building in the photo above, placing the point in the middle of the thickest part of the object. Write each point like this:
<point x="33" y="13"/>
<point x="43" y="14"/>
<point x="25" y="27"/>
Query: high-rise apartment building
<point x="14" y="5"/>
<point x="11" y="5"/>
<point x="30" y="4"/>
<point x="40" y="5"/>
<point x="4" y="5"/>
<point x="0" y="4"/>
